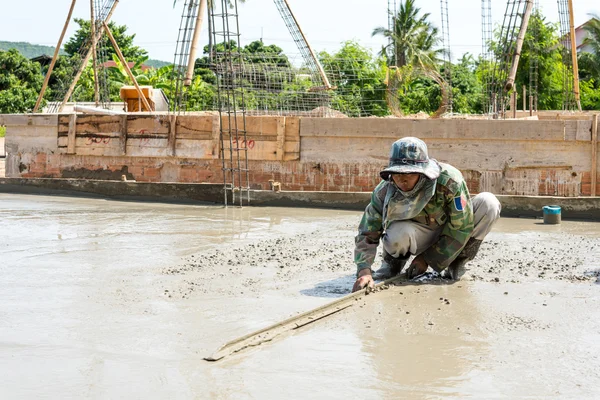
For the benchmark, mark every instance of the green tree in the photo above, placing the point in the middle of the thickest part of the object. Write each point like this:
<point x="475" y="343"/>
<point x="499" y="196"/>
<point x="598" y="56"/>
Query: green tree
<point x="125" y="41"/>
<point x="359" y="79"/>
<point x="20" y="83"/>
<point x="467" y="89"/>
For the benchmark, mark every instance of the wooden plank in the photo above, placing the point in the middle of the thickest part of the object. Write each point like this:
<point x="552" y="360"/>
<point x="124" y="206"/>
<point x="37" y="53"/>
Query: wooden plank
<point x="281" y="138"/>
<point x="63" y="123"/>
<point x="196" y="149"/>
<point x="192" y="124"/>
<point x="256" y="126"/>
<point x="72" y="134"/>
<point x="94" y="124"/>
<point x="594" y="173"/>
<point x="97" y="146"/>
<point x="216" y="136"/>
<point x="193" y="136"/>
<point x="270" y="332"/>
<point x="148" y="124"/>
<point x="257" y="150"/>
<point x="292" y="129"/>
<point x="172" y="134"/>
<point x="582" y="129"/>
<point x="433" y="129"/>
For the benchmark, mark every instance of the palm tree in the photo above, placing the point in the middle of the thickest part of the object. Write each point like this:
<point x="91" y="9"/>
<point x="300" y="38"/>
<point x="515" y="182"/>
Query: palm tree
<point x="592" y="60"/>
<point x="412" y="39"/>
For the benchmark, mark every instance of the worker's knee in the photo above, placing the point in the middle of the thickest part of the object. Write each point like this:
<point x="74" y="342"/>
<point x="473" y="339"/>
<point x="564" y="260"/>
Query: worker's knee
<point x="407" y="237"/>
<point x="486" y="210"/>
<point x="487" y="205"/>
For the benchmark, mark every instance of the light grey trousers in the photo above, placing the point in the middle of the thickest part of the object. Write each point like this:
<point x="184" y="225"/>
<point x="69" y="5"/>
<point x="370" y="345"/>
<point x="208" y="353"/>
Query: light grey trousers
<point x="403" y="237"/>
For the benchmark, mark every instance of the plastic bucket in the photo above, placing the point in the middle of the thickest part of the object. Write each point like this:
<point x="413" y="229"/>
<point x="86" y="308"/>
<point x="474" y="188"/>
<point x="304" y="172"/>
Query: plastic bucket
<point x="552" y="215"/>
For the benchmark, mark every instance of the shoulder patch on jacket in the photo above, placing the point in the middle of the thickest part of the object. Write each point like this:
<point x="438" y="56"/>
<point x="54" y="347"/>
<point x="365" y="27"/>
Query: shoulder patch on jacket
<point x="460" y="202"/>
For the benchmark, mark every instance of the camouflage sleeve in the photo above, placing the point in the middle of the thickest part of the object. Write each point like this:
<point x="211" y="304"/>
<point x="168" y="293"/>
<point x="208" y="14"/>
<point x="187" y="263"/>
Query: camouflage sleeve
<point x="456" y="231"/>
<point x="370" y="229"/>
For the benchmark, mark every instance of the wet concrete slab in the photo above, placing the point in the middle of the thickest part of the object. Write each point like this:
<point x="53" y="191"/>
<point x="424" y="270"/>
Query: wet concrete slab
<point x="112" y="299"/>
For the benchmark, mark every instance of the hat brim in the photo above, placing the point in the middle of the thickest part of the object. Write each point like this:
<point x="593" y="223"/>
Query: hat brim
<point x="431" y="170"/>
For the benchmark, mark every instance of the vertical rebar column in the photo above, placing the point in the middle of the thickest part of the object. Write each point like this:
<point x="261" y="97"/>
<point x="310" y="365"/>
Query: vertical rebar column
<point x="447" y="53"/>
<point x="228" y="65"/>
<point x="182" y="53"/>
<point x="310" y="58"/>
<point x="392" y="15"/>
<point x="504" y="62"/>
<point x="569" y="101"/>
<point x="534" y="51"/>
<point x="486" y="56"/>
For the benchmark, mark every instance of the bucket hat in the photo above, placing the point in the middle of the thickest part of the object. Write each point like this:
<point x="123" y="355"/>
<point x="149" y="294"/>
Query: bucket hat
<point x="408" y="156"/>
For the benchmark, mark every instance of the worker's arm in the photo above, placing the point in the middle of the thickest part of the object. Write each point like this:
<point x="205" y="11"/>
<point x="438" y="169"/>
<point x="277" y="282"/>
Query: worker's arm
<point x="370" y="230"/>
<point x="456" y="231"/>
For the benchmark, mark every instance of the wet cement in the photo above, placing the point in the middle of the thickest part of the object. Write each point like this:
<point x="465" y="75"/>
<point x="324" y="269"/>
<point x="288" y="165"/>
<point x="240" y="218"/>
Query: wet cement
<point x="123" y="300"/>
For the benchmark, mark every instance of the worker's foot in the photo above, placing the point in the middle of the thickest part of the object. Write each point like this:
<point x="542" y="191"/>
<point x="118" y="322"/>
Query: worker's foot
<point x="457" y="268"/>
<point x="390" y="267"/>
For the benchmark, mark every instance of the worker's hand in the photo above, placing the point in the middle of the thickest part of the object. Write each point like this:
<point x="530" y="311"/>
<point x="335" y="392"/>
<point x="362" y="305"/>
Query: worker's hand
<point x="417" y="267"/>
<point x="364" y="279"/>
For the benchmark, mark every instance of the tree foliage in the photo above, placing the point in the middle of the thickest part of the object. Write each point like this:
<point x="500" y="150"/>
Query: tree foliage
<point x="125" y="41"/>
<point x="20" y="83"/>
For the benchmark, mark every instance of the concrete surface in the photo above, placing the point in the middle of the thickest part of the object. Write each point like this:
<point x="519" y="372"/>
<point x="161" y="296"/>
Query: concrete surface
<point x="107" y="299"/>
<point x="587" y="208"/>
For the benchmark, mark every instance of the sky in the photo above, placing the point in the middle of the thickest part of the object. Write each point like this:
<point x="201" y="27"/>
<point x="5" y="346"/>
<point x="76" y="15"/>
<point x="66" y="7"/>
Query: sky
<point x="326" y="23"/>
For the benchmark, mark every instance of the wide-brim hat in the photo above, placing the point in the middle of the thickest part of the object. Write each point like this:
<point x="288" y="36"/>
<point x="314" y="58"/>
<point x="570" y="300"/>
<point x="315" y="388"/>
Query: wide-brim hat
<point x="409" y="156"/>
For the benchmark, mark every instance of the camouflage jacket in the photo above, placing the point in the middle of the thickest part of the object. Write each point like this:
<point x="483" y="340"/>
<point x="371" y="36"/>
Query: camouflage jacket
<point x="449" y="208"/>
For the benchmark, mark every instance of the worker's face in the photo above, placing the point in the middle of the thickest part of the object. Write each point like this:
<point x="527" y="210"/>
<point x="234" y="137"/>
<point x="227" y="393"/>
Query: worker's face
<point x="406" y="182"/>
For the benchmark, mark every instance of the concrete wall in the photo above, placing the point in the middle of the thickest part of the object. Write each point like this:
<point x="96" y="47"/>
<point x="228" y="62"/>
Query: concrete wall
<point x="512" y="157"/>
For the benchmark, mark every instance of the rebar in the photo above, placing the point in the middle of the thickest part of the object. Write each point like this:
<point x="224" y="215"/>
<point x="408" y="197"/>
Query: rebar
<point x="486" y="54"/>
<point x="447" y="54"/>
<point x="182" y="54"/>
<point x="569" y="101"/>
<point x="231" y="100"/>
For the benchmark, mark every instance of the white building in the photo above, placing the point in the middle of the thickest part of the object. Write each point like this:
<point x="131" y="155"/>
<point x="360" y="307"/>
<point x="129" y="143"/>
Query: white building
<point x="581" y="34"/>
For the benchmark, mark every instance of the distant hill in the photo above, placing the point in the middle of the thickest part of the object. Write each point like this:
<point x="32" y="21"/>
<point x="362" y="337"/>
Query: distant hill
<point x="27" y="49"/>
<point x="35" y="50"/>
<point x="157" y="63"/>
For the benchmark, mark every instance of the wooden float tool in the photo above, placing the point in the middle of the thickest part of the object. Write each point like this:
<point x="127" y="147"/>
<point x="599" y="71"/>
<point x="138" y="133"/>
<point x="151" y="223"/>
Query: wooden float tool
<point x="269" y="333"/>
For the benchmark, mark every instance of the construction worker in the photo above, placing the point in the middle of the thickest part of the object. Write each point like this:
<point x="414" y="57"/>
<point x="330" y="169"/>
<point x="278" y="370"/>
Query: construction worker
<point x="422" y="208"/>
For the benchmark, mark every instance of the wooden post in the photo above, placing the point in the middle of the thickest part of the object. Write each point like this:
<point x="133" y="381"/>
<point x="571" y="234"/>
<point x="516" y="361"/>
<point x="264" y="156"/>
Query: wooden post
<point x="126" y="66"/>
<point x="85" y="61"/>
<point x="216" y="136"/>
<point x="531" y="105"/>
<point x="194" y="45"/>
<point x="172" y="140"/>
<point x="524" y="98"/>
<point x="513" y="104"/>
<point x="280" y="138"/>
<point x="574" y="56"/>
<point x="72" y="135"/>
<point x="510" y="81"/>
<point x="54" y="58"/>
<point x="123" y="138"/>
<point x="94" y="58"/>
<point x="594" y="173"/>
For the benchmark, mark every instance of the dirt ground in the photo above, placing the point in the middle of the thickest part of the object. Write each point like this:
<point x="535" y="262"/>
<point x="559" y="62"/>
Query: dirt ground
<point x="109" y="299"/>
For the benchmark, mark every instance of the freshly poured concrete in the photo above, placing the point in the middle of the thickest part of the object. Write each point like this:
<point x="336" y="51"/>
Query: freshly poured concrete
<point x="106" y="299"/>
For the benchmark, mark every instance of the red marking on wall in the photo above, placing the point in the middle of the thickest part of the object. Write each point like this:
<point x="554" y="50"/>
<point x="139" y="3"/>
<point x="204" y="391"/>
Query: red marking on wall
<point x="244" y="144"/>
